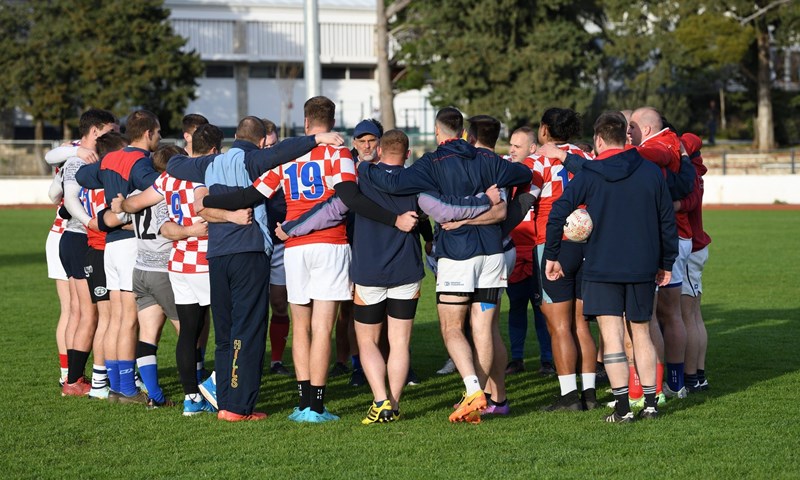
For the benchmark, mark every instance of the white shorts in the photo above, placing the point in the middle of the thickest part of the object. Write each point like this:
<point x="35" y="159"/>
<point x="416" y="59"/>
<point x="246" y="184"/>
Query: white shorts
<point x="191" y="288"/>
<point x="318" y="271"/>
<point x="55" y="269"/>
<point x="375" y="295"/>
<point x="679" y="268"/>
<point x="277" y="272"/>
<point x="693" y="283"/>
<point x="120" y="258"/>
<point x="511" y="260"/>
<point x="483" y="271"/>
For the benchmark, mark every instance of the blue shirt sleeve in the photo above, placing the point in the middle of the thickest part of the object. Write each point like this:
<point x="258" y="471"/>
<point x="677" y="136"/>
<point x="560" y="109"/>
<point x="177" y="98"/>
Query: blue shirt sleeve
<point x="414" y="179"/>
<point x="509" y="174"/>
<point x="261" y="160"/>
<point x="88" y="176"/>
<point x="191" y="169"/>
<point x="143" y="175"/>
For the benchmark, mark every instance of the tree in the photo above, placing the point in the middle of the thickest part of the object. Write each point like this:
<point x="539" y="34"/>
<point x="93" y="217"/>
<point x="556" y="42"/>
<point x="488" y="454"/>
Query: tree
<point x="383" y="37"/>
<point x="667" y="53"/>
<point x="508" y="58"/>
<point x="58" y="58"/>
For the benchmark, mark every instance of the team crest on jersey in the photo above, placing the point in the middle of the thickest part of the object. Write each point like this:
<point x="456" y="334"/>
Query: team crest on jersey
<point x="100" y="291"/>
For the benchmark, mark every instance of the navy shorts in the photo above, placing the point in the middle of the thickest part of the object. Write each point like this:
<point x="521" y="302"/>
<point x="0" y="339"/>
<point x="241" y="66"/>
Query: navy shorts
<point x="72" y="252"/>
<point x="569" y="286"/>
<point x="96" y="275"/>
<point x="635" y="300"/>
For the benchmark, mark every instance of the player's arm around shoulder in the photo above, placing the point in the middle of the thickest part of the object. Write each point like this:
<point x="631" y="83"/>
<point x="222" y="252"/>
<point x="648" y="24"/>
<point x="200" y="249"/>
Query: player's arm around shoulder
<point x="89" y="176"/>
<point x="188" y="168"/>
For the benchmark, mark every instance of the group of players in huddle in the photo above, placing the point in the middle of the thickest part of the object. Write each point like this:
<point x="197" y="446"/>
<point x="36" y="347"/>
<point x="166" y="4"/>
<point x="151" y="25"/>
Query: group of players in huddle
<point x="146" y="233"/>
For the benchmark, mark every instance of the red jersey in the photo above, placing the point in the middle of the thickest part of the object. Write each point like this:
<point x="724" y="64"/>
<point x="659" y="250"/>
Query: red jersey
<point x="307" y="181"/>
<point x="693" y="204"/>
<point x="551" y="177"/>
<point x="664" y="149"/>
<point x="94" y="201"/>
<point x="524" y="236"/>
<point x="187" y="255"/>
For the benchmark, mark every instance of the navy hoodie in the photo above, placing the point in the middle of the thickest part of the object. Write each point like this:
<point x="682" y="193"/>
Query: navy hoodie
<point x="634" y="230"/>
<point x="456" y="169"/>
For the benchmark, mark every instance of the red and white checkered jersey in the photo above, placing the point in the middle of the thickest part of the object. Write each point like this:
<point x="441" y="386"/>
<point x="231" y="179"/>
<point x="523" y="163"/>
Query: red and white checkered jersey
<point x="551" y="177"/>
<point x="307" y="181"/>
<point x="187" y="255"/>
<point x="94" y="201"/>
<point x="59" y="223"/>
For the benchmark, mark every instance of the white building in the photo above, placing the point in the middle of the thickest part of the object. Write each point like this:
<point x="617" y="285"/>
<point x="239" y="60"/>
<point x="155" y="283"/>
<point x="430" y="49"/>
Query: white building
<point x="253" y="51"/>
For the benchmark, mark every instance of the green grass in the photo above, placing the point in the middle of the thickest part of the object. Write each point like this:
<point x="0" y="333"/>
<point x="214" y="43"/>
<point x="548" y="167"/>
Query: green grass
<point x="745" y="426"/>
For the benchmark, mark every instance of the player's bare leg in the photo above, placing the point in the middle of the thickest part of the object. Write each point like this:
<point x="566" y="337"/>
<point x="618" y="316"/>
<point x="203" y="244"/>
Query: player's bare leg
<point x="74" y="314"/>
<point x="399" y="333"/>
<point x="62" y="289"/>
<point x="451" y="322"/>
<point x="496" y="384"/>
<point x="688" y="314"/>
<point x="301" y="340"/>
<point x="368" y="337"/>
<point x="323" y="314"/>
<point x="586" y="356"/>
<point x="612" y="331"/>
<point x="669" y="316"/>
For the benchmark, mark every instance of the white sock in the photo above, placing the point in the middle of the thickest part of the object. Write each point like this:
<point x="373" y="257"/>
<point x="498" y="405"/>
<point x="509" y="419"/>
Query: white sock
<point x="194" y="397"/>
<point x="568" y="383"/>
<point x="99" y="376"/>
<point x="64" y="373"/>
<point x="587" y="380"/>
<point x="472" y="385"/>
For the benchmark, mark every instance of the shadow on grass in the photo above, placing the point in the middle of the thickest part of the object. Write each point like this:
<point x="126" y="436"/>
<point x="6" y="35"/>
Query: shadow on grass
<point x="22" y="259"/>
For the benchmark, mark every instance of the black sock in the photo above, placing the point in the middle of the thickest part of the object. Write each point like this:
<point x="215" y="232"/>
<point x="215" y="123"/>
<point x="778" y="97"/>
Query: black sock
<point x="650" y="399"/>
<point x="304" y="390"/>
<point x="76" y="365"/>
<point x="317" y="398"/>
<point x="500" y="404"/>
<point x="191" y="318"/>
<point x="690" y="380"/>
<point x="622" y="406"/>
<point x="701" y="375"/>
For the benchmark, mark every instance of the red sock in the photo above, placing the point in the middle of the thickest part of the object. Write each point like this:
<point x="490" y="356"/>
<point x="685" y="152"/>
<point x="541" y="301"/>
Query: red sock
<point x="659" y="376"/>
<point x="278" y="332"/>
<point x="62" y="360"/>
<point x="634" y="385"/>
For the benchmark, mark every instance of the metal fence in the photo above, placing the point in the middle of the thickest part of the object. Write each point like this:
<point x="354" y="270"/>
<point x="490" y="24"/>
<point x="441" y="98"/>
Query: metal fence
<point x="26" y="157"/>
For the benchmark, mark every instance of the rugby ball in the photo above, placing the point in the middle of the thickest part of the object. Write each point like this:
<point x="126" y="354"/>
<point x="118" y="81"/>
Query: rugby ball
<point x="579" y="226"/>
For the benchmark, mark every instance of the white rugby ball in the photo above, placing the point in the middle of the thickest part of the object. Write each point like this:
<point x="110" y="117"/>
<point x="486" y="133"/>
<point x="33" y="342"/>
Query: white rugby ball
<point x="579" y="225"/>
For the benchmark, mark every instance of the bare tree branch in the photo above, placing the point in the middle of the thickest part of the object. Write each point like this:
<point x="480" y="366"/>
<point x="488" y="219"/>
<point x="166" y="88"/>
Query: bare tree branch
<point x="396" y="8"/>
<point x="761" y="11"/>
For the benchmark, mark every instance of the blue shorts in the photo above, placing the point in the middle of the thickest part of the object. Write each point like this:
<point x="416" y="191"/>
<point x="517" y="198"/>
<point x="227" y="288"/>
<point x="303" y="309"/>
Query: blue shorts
<point x="72" y="251"/>
<point x="569" y="286"/>
<point x="634" y="300"/>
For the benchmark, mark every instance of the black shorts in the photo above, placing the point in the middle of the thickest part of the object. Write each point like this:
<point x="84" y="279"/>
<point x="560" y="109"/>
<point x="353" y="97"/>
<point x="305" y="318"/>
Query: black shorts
<point x="96" y="275"/>
<point x="635" y="300"/>
<point x="569" y="286"/>
<point x="72" y="252"/>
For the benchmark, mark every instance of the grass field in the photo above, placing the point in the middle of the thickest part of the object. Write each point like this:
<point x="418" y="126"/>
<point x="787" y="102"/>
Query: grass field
<point x="746" y="426"/>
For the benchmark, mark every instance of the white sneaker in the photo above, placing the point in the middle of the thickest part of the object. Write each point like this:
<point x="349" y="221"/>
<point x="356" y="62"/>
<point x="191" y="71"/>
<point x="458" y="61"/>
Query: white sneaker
<point x="99" y="393"/>
<point x="669" y="393"/>
<point x="448" y="368"/>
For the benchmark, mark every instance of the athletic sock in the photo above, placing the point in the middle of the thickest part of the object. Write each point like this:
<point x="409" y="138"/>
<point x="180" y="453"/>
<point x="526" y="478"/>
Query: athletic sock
<point x="622" y="407"/>
<point x="568" y="383"/>
<point x="278" y="334"/>
<point x="198" y="365"/>
<point x="472" y="385"/>
<point x="77" y="367"/>
<point x="649" y="396"/>
<point x="127" y="377"/>
<point x="675" y="376"/>
<point x="500" y="404"/>
<point x="193" y="397"/>
<point x="63" y="365"/>
<point x="112" y="370"/>
<point x="588" y="380"/>
<point x="356" y="360"/>
<point x="634" y="384"/>
<point x="690" y="379"/>
<point x="659" y="377"/>
<point x="146" y="359"/>
<point x="99" y="376"/>
<point x="304" y="391"/>
<point x="317" y="398"/>
<point x="701" y="375"/>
